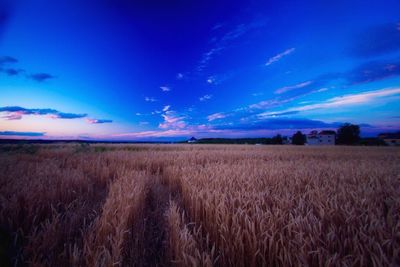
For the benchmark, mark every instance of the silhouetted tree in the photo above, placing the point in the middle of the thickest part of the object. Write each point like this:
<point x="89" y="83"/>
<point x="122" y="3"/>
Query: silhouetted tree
<point x="348" y="134"/>
<point x="372" y="141"/>
<point x="298" y="138"/>
<point x="277" y="139"/>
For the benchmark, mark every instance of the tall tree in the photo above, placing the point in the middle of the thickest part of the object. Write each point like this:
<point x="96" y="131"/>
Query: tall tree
<point x="298" y="138"/>
<point x="348" y="134"/>
<point x="277" y="139"/>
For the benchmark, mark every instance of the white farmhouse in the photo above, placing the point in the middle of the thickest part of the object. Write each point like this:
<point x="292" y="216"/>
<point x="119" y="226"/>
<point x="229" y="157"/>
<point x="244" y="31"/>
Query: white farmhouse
<point x="322" y="138"/>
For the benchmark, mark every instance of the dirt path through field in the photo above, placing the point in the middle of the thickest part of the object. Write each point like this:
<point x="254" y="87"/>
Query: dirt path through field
<point x="149" y="234"/>
<point x="155" y="226"/>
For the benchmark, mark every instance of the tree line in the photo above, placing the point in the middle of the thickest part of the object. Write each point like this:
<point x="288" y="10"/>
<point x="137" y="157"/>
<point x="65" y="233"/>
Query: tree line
<point x="346" y="134"/>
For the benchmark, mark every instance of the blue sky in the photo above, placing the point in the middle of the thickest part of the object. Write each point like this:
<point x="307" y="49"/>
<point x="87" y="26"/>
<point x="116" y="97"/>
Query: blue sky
<point x="148" y="70"/>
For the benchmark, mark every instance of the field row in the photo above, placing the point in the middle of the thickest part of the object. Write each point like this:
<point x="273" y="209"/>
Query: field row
<point x="182" y="205"/>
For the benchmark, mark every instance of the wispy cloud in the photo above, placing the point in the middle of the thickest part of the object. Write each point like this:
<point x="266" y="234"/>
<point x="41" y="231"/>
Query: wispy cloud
<point x="285" y="113"/>
<point x="279" y="123"/>
<point x="179" y="76"/>
<point x="279" y="56"/>
<point x="12" y="71"/>
<point x="166" y="108"/>
<point x="150" y="99"/>
<point x="211" y="80"/>
<point x="208" y="56"/>
<point x="156" y="112"/>
<point x="217" y="26"/>
<point x="257" y="94"/>
<point x="174" y="132"/>
<point x="205" y="97"/>
<point x="217" y="79"/>
<point x="249" y="113"/>
<point x="37" y="77"/>
<point x="336" y="102"/>
<point x="150" y="134"/>
<point x="216" y="116"/>
<point x="63" y="115"/>
<point x="292" y="87"/>
<point x="238" y="31"/>
<point x="323" y="89"/>
<point x="367" y="72"/>
<point x="165" y="88"/>
<point x="263" y="128"/>
<point x="14" y="133"/>
<point x="270" y="103"/>
<point x="376" y="40"/>
<point x="98" y="121"/>
<point x="40" y="77"/>
<point x="373" y="71"/>
<point x="7" y="60"/>
<point x="224" y="41"/>
<point x="16" y="113"/>
<point x="172" y="120"/>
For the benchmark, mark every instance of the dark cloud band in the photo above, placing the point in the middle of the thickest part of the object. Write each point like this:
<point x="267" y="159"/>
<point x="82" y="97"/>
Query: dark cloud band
<point x="377" y="40"/>
<point x="16" y="113"/>
<point x="5" y="61"/>
<point x="40" y="77"/>
<point x="13" y="133"/>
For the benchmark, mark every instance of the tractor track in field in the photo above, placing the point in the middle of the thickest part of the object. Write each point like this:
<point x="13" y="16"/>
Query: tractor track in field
<point x="149" y="234"/>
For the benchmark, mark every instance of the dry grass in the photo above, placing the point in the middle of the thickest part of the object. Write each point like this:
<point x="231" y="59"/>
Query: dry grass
<point x="105" y="242"/>
<point x="201" y="205"/>
<point x="319" y="208"/>
<point x="186" y="245"/>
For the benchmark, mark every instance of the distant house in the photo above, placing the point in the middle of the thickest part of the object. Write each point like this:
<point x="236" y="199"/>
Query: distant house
<point x="192" y="140"/>
<point x="391" y="139"/>
<point x="322" y="138"/>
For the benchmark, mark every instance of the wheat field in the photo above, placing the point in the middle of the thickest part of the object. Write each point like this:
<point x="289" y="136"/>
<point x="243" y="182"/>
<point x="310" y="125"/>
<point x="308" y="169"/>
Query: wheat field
<point x="199" y="205"/>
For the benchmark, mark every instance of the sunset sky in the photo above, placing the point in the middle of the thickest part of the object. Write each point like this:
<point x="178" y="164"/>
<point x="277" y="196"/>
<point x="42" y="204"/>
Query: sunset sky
<point x="169" y="70"/>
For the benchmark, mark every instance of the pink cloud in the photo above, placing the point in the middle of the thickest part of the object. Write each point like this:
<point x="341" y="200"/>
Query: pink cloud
<point x="14" y="115"/>
<point x="172" y="120"/>
<point x="98" y="121"/>
<point x="216" y="116"/>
